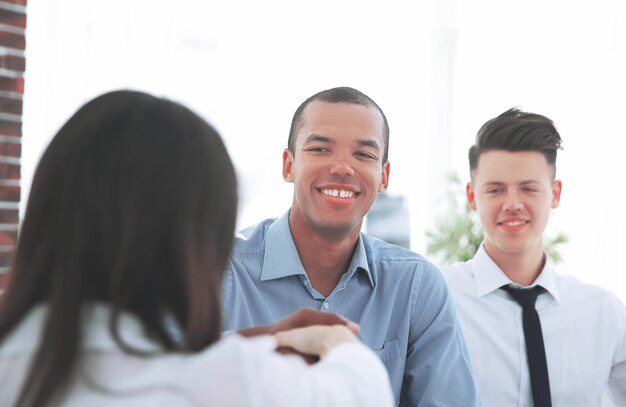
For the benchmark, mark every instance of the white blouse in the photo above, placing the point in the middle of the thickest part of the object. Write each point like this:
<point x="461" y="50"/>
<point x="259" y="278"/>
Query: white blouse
<point x="235" y="371"/>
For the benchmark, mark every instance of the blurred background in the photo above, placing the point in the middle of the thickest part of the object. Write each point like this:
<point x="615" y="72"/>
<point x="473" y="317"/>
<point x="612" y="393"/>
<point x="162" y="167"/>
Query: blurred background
<point x="438" y="68"/>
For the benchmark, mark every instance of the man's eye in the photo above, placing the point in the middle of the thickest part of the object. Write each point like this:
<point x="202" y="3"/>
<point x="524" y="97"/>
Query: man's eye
<point x="366" y="155"/>
<point x="493" y="191"/>
<point x="317" y="149"/>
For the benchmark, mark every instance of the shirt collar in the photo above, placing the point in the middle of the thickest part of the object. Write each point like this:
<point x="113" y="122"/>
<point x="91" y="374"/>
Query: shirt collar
<point x="489" y="277"/>
<point x="282" y="260"/>
<point x="281" y="256"/>
<point x="359" y="261"/>
<point x="95" y="331"/>
<point x="97" y="336"/>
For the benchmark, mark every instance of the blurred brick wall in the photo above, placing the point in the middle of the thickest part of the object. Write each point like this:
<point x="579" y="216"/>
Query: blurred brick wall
<point x="12" y="65"/>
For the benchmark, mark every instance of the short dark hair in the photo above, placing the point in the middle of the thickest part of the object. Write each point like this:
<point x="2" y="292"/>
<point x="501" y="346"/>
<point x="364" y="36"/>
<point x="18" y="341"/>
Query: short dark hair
<point x="515" y="130"/>
<point x="133" y="204"/>
<point x="342" y="94"/>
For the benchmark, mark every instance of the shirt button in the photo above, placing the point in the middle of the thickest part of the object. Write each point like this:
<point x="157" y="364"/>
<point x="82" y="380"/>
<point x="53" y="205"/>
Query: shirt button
<point x="306" y="282"/>
<point x="325" y="305"/>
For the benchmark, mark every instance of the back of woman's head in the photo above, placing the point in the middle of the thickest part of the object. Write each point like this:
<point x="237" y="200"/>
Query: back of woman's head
<point x="133" y="204"/>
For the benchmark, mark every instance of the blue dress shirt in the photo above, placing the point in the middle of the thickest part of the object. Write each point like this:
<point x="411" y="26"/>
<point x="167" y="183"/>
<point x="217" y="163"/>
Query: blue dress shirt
<point x="398" y="298"/>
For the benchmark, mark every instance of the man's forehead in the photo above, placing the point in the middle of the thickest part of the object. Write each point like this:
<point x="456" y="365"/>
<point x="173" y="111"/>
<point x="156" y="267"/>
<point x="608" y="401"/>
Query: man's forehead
<point x="506" y="165"/>
<point x="321" y="109"/>
<point x="333" y="120"/>
<point x="517" y="159"/>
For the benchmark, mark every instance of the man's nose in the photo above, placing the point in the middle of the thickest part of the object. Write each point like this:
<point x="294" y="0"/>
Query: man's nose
<point x="342" y="167"/>
<point x="513" y="202"/>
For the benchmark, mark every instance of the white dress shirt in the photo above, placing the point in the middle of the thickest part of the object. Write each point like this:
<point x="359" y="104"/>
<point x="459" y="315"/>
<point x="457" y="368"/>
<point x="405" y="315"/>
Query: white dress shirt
<point x="233" y="372"/>
<point x="584" y="331"/>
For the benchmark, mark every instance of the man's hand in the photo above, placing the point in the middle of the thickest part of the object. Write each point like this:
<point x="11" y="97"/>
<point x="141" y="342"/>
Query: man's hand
<point x="304" y="317"/>
<point x="314" y="342"/>
<point x="299" y="319"/>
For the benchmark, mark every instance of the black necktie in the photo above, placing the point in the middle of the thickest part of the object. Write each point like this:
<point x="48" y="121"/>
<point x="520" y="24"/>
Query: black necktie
<point x="535" y="350"/>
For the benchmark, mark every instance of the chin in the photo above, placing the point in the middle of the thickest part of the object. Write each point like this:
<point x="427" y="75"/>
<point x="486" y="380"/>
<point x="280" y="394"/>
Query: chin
<point x="509" y="246"/>
<point x="336" y="228"/>
<point x="517" y="248"/>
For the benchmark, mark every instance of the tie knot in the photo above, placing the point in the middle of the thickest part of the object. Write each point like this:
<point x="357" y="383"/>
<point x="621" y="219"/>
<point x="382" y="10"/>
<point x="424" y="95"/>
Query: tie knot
<point x="525" y="297"/>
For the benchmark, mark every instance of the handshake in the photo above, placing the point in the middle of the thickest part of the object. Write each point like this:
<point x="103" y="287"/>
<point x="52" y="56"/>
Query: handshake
<point x="307" y="332"/>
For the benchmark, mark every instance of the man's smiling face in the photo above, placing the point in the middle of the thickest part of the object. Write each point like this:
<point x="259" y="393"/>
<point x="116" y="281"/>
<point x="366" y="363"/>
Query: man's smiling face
<point x="336" y="167"/>
<point x="513" y="193"/>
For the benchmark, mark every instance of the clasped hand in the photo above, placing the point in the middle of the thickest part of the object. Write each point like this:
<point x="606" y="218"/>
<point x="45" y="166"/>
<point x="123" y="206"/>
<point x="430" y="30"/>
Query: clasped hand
<point x="308" y="332"/>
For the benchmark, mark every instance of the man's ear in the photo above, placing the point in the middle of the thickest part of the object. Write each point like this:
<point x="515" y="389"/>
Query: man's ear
<point x="471" y="196"/>
<point x="556" y="193"/>
<point x="384" y="179"/>
<point x="287" y="165"/>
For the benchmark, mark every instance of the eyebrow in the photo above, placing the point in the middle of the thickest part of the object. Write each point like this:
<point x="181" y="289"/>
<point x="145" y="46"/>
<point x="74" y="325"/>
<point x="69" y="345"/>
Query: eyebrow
<point x="498" y="183"/>
<point x="323" y="139"/>
<point x="317" y="137"/>
<point x="369" y="143"/>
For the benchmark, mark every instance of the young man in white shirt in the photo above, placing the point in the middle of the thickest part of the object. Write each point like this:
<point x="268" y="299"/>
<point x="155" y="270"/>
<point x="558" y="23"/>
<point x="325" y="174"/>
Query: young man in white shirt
<point x="513" y="188"/>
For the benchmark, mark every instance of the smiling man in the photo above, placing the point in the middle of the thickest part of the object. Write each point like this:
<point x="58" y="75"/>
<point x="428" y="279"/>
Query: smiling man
<point x="537" y="338"/>
<point x="316" y="256"/>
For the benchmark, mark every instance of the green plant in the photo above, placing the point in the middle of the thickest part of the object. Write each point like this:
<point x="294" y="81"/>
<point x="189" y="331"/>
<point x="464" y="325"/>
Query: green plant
<point x="458" y="235"/>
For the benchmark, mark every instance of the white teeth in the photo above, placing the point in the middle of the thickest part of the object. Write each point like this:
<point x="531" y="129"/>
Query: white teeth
<point x="336" y="193"/>
<point x="514" y="223"/>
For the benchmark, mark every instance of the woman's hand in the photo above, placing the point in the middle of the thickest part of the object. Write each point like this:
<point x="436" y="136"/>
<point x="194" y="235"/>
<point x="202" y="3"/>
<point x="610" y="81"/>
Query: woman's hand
<point x="316" y="340"/>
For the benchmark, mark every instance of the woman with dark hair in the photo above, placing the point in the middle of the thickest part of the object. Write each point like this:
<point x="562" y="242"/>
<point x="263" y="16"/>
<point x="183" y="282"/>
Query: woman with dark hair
<point x="129" y="224"/>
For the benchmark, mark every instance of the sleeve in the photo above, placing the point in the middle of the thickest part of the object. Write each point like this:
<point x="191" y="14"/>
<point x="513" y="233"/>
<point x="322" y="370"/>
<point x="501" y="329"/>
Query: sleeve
<point x="438" y="368"/>
<point x="239" y="371"/>
<point x="617" y="379"/>
<point x="350" y="375"/>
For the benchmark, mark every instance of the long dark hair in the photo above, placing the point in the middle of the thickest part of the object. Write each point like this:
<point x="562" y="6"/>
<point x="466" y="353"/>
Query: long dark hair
<point x="132" y="204"/>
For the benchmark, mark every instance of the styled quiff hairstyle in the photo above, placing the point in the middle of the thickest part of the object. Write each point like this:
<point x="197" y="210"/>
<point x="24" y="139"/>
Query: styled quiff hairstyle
<point x="133" y="205"/>
<point x="337" y="95"/>
<point x="515" y="130"/>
